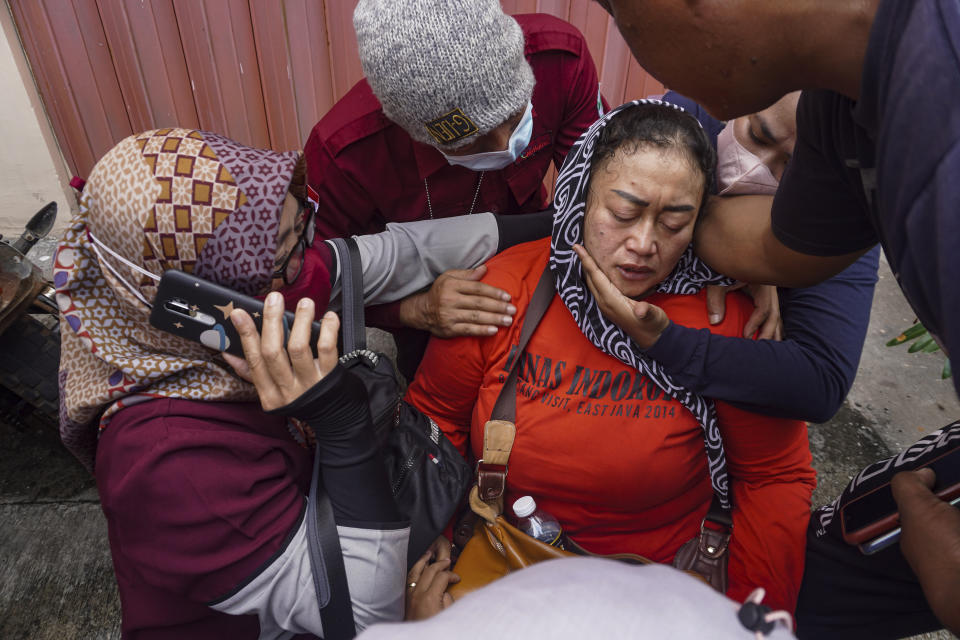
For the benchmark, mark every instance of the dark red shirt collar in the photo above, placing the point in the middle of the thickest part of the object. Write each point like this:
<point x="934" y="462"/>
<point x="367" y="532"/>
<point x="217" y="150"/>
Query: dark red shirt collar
<point x="428" y="159"/>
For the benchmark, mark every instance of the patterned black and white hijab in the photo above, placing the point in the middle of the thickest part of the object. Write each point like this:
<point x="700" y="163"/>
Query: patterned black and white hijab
<point x="688" y="277"/>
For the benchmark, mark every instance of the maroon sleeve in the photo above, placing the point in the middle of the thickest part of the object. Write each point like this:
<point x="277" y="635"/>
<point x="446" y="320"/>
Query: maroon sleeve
<point x="197" y="504"/>
<point x="345" y="207"/>
<point x="385" y="316"/>
<point x="581" y="89"/>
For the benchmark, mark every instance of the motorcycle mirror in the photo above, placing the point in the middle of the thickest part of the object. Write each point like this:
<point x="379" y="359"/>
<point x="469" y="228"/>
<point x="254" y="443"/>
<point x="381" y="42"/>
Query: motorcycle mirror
<point x="38" y="227"/>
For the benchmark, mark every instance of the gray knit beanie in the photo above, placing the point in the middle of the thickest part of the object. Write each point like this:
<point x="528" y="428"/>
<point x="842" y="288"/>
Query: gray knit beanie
<point x="444" y="70"/>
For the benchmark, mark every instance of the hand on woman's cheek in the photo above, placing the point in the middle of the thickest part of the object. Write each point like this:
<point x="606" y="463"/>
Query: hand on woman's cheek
<point x="642" y="321"/>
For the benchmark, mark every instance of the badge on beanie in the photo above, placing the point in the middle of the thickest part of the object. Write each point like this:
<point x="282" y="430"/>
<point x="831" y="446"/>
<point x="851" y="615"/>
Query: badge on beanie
<point x="451" y="127"/>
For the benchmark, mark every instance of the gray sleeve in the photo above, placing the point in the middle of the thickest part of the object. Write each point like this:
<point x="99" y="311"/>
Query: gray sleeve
<point x="283" y="596"/>
<point x="409" y="256"/>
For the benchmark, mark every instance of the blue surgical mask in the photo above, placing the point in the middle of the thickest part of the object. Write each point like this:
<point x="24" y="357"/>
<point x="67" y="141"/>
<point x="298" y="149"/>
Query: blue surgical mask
<point x="493" y="160"/>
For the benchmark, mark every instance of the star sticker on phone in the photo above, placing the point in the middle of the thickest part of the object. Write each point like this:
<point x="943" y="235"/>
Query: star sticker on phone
<point x="225" y="309"/>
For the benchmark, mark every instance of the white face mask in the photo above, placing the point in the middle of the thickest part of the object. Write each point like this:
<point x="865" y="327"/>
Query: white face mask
<point x="493" y="160"/>
<point x="97" y="246"/>
<point x="739" y="172"/>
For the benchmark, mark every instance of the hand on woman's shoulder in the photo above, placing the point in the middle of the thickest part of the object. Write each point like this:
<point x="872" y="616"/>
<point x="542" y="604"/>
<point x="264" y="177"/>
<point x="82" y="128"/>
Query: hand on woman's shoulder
<point x="691" y="311"/>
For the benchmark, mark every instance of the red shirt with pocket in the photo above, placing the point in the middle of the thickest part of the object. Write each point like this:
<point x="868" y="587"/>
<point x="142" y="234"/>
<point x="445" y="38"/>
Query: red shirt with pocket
<point x="601" y="447"/>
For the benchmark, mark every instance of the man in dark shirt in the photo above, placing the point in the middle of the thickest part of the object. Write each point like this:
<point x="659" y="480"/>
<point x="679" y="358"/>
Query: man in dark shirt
<point x="877" y="159"/>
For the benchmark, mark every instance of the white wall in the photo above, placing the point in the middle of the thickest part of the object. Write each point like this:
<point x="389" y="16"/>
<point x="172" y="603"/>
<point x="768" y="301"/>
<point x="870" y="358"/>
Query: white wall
<point x="32" y="170"/>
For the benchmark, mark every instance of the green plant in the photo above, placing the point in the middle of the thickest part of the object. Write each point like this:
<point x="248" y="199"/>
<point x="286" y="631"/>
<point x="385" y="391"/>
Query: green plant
<point x="923" y="342"/>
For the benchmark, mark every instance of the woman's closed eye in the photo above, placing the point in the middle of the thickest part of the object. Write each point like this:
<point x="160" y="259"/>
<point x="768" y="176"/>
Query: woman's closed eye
<point x="624" y="216"/>
<point x="675" y="222"/>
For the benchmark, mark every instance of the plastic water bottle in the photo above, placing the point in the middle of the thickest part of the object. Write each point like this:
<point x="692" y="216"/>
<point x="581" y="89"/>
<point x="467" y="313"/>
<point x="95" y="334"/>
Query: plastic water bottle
<point x="537" y="523"/>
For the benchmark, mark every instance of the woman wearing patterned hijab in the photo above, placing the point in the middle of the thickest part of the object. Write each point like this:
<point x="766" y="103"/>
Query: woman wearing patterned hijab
<point x="204" y="491"/>
<point x="627" y="460"/>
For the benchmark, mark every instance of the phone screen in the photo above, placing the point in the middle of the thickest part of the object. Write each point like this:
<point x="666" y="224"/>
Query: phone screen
<point x="878" y="505"/>
<point x="867" y="509"/>
<point x="885" y="540"/>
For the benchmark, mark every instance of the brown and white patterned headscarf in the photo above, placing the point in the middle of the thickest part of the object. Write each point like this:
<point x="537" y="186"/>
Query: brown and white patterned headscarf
<point x="164" y="199"/>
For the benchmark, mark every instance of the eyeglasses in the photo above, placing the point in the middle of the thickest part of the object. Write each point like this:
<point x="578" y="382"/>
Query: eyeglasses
<point x="289" y="270"/>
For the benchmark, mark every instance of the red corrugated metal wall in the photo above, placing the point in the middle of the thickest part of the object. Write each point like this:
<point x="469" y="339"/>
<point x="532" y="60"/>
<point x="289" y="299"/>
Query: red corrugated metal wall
<point x="260" y="71"/>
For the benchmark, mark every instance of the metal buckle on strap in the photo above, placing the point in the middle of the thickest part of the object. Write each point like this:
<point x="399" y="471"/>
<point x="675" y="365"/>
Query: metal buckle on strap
<point x="491" y="480"/>
<point x="489" y="467"/>
<point x="714" y="542"/>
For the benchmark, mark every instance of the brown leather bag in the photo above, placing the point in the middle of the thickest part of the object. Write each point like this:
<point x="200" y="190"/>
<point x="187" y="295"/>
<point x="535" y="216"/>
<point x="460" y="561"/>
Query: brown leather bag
<point x="495" y="549"/>
<point x="707" y="554"/>
<point x="482" y="561"/>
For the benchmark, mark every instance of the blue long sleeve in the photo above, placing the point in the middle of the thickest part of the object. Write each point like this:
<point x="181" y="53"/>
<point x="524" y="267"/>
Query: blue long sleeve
<point x="807" y="375"/>
<point x="711" y="125"/>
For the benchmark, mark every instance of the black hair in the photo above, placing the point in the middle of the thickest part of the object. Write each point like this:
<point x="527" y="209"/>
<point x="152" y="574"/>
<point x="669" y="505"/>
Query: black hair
<point x="661" y="126"/>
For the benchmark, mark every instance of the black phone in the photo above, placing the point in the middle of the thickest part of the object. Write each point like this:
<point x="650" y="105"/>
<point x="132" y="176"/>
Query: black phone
<point x="870" y="516"/>
<point x="887" y="539"/>
<point x="199" y="310"/>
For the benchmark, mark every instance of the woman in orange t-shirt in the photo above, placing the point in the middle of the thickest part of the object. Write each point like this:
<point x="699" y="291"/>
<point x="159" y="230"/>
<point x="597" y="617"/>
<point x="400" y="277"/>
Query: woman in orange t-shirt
<point x="606" y="442"/>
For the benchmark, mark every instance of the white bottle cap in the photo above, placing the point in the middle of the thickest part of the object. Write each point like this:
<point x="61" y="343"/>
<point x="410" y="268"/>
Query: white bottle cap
<point x="524" y="506"/>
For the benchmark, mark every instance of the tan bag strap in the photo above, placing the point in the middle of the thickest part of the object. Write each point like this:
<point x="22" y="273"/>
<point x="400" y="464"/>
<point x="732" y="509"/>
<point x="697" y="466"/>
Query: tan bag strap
<point x="505" y="408"/>
<point x="498" y="437"/>
<point x="500" y="431"/>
